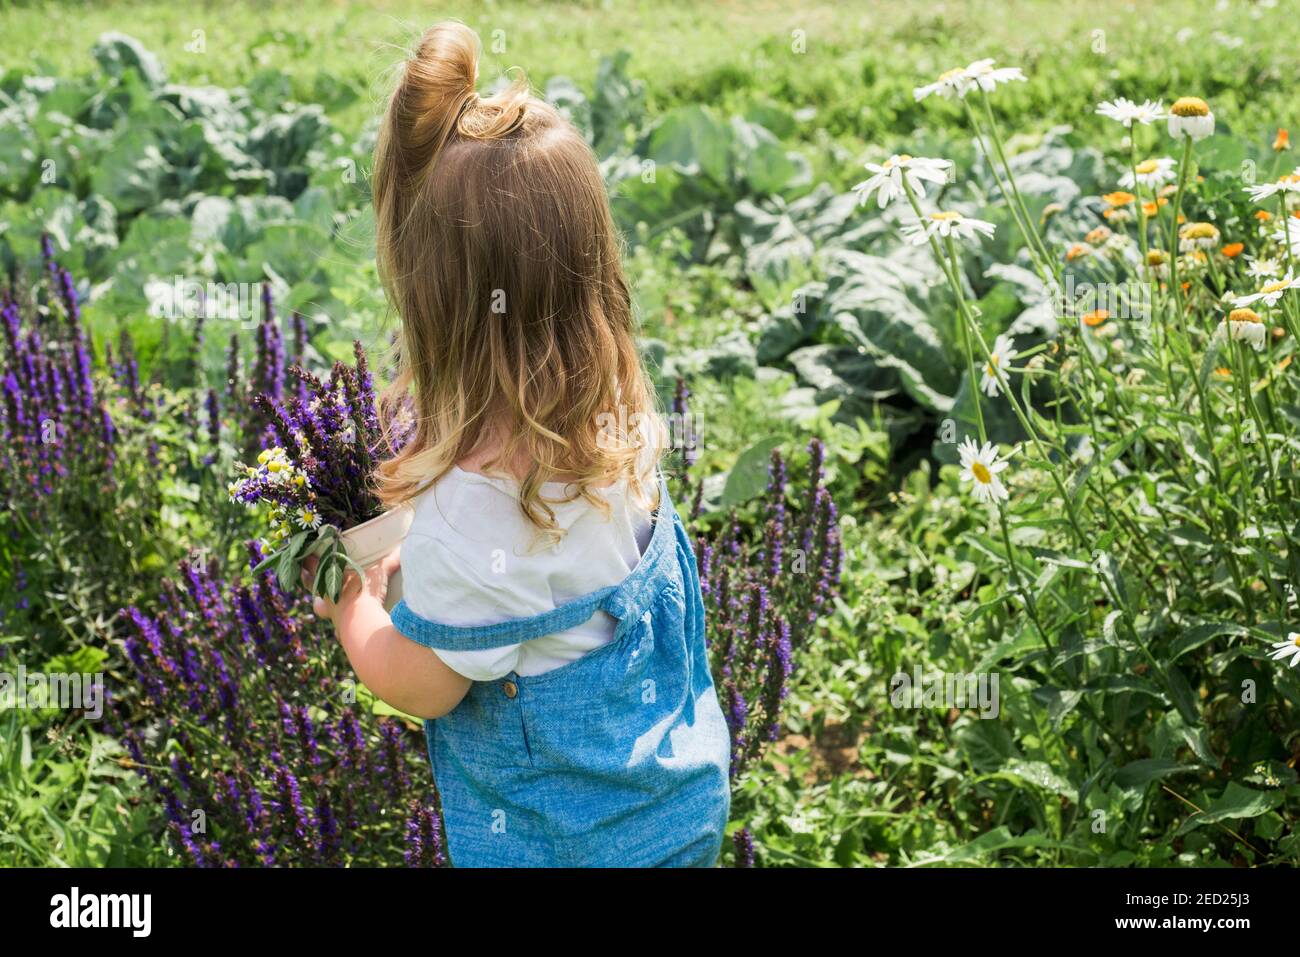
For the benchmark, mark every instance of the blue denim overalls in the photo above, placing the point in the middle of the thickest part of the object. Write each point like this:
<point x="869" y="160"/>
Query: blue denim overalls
<point x="618" y="759"/>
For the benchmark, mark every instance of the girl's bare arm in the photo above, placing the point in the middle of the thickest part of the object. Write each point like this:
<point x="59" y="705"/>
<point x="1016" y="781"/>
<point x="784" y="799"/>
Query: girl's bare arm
<point x="406" y="675"/>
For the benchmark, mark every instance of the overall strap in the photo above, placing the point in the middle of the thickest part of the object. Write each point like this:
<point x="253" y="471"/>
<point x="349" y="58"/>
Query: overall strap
<point x="619" y="601"/>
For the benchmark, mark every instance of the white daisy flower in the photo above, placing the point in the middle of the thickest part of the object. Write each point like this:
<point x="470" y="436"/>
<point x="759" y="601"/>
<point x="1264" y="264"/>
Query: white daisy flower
<point x="1125" y="111"/>
<point x="1158" y="263"/>
<point x="980" y="466"/>
<point x="981" y="74"/>
<point x="1003" y="351"/>
<point x="1289" y="647"/>
<point x="953" y="83"/>
<point x="1194" y="236"/>
<point x="1269" y="295"/>
<point x="1154" y="173"/>
<point x="887" y="178"/>
<point x="1290" y="183"/>
<point x="1262" y="268"/>
<point x="945" y="224"/>
<point x="1190" y="116"/>
<point x="984" y="75"/>
<point x="1288" y="234"/>
<point x="1245" y="325"/>
<point x="307" y="518"/>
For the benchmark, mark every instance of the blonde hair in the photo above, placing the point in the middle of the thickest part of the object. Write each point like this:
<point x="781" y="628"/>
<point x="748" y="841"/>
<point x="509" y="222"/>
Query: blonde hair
<point x="497" y="248"/>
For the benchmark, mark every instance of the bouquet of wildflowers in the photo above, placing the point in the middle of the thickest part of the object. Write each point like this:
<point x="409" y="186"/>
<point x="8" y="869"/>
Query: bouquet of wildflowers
<point x="312" y="475"/>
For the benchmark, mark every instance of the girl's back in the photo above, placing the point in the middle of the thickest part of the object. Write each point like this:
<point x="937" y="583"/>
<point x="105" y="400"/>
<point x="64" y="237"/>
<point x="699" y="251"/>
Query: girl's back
<point x="552" y="627"/>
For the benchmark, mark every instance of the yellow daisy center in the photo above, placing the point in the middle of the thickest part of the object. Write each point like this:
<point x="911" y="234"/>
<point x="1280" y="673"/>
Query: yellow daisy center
<point x="1146" y="167"/>
<point x="1199" y="231"/>
<point x="1244" y="315"/>
<point x="981" y="473"/>
<point x="950" y="75"/>
<point x="1190" y="106"/>
<point x="1275" y="286"/>
<point x="945" y="217"/>
<point x="1156" y="258"/>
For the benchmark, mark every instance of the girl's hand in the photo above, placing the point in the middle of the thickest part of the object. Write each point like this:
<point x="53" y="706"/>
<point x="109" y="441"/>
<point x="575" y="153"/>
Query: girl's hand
<point x="374" y="586"/>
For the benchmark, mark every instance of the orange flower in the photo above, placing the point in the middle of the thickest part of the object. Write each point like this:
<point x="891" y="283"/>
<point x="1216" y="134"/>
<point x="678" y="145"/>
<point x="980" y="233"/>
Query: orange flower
<point x="1097" y="236"/>
<point x="1263" y="215"/>
<point x="1150" y="209"/>
<point x="1223" y="372"/>
<point x="1096" y="317"/>
<point x="1119" y="198"/>
<point x="1077" y="251"/>
<point x="1284" y="363"/>
<point x="1233" y="250"/>
<point x="1283" y="141"/>
<point x="1181" y="219"/>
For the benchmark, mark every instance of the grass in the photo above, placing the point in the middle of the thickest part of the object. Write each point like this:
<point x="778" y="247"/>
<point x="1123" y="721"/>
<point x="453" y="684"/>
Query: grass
<point x="852" y="65"/>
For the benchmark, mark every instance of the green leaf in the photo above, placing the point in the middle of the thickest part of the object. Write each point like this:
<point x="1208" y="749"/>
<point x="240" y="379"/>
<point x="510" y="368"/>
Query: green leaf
<point x="1183" y="696"/>
<point x="1193" y="638"/>
<point x="748" y="477"/>
<point x="693" y="139"/>
<point x="1038" y="773"/>
<point x="1138" y="774"/>
<point x="333" y="580"/>
<point x="286" y="569"/>
<point x="1236" y="802"/>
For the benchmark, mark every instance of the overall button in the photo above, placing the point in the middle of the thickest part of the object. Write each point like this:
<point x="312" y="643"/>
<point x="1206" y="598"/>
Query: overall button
<point x="510" y="688"/>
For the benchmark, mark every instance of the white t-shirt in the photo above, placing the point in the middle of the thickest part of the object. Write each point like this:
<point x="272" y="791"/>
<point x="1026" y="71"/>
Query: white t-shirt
<point x="471" y="558"/>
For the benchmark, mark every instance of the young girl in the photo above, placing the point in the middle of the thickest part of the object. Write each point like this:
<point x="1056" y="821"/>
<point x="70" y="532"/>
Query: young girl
<point x="551" y="631"/>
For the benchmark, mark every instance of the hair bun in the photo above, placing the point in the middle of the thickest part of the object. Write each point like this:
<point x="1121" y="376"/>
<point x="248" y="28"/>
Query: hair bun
<point x="438" y="83"/>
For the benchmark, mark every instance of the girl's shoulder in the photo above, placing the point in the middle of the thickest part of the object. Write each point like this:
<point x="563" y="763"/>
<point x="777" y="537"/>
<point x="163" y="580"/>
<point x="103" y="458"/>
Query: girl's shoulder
<point x="472" y="558"/>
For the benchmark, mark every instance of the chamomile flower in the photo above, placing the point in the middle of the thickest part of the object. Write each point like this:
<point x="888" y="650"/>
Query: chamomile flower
<point x="887" y="178"/>
<point x="1190" y="116"/>
<point x="1195" y="236"/>
<point x="983" y="74"/>
<point x="1003" y="352"/>
<point x="980" y="466"/>
<point x="1125" y="111"/>
<point x="979" y="75"/>
<point x="952" y="83"/>
<point x="1269" y="295"/>
<point x="1158" y="263"/>
<point x="1287" y="234"/>
<point x="1097" y="236"/>
<point x="307" y="518"/>
<point x="1262" y="268"/>
<point x="1245" y="325"/>
<point x="1153" y="173"/>
<point x="941" y="225"/>
<point x="1290" y="183"/>
<point x="1290" y="647"/>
